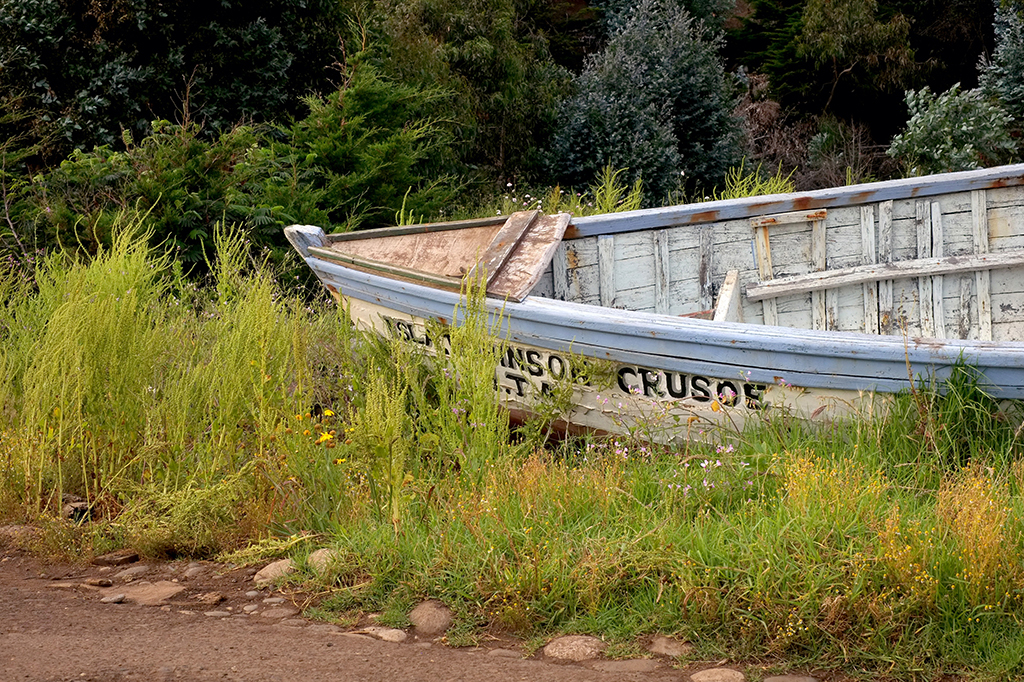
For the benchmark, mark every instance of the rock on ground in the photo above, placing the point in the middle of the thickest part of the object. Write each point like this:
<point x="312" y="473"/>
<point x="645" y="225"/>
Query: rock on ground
<point x="151" y="594"/>
<point x="574" y="648"/>
<point x="118" y="558"/>
<point x="321" y="560"/>
<point x="718" y="675"/>
<point x="636" y="665"/>
<point x="274" y="571"/>
<point x="668" y="646"/>
<point x="383" y="634"/>
<point x="431" y="618"/>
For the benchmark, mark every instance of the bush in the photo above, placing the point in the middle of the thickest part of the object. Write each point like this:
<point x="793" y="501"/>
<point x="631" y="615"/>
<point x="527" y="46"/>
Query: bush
<point x="97" y="68"/>
<point x="1003" y="78"/>
<point x="351" y="162"/>
<point x="655" y="101"/>
<point x="957" y="130"/>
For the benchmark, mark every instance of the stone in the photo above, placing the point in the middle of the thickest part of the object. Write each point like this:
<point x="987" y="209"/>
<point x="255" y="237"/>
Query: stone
<point x="119" y="558"/>
<point x="718" y="675"/>
<point x="210" y="598"/>
<point x="99" y="582"/>
<point x="669" y="646"/>
<point x="274" y="571"/>
<point x="790" y="678"/>
<point x="193" y="571"/>
<point x="574" y="648"/>
<point x="152" y="594"/>
<point x="76" y="511"/>
<point x="280" y="612"/>
<point x="504" y="653"/>
<point x="384" y="634"/>
<point x="218" y="614"/>
<point x="252" y="594"/>
<point x="431" y="618"/>
<point x="131" y="573"/>
<point x="321" y="559"/>
<point x="324" y="628"/>
<point x="635" y="665"/>
<point x="249" y="608"/>
<point x="274" y="600"/>
<point x="293" y="622"/>
<point x="113" y="599"/>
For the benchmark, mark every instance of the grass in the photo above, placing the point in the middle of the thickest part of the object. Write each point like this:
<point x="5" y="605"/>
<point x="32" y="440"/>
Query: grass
<point x="235" y="420"/>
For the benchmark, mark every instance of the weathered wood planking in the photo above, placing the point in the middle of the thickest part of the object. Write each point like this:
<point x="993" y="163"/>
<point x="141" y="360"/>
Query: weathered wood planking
<point x="686" y="279"/>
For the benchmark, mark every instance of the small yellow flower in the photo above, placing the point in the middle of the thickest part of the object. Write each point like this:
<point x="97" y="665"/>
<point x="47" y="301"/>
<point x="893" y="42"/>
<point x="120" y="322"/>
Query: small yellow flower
<point x="328" y="413"/>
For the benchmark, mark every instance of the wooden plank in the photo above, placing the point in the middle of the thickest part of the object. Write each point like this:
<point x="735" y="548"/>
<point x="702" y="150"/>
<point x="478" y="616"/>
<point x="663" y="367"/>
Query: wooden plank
<point x="405" y="274"/>
<point x="705" y="268"/>
<point x="938" y="246"/>
<point x="947" y="265"/>
<point x="982" y="279"/>
<point x="560" y="273"/>
<point x="662" y="273"/>
<point x="504" y="243"/>
<point x="764" y="270"/>
<point x="606" y="269"/>
<point x="382" y="232"/>
<point x="302" y="237"/>
<point x="886" y="315"/>
<point x="728" y="308"/>
<point x="752" y="207"/>
<point x="963" y="325"/>
<point x="791" y="217"/>
<point x="923" y="223"/>
<point x="529" y="259"/>
<point x="867" y="239"/>
<point x="818" y="263"/>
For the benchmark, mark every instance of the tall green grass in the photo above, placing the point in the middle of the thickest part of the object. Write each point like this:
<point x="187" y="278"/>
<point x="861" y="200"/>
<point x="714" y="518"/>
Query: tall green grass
<point x="201" y="420"/>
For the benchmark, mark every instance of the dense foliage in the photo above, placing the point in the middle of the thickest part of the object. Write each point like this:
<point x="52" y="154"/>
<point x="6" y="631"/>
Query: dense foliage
<point x="342" y="112"/>
<point x="655" y="101"/>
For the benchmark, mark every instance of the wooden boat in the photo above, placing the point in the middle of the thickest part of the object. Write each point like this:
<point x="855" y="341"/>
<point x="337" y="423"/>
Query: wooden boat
<point x="812" y="302"/>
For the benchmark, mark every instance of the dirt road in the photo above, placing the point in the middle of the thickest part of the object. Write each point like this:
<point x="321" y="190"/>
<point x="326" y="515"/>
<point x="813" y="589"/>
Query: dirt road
<point x="55" y="626"/>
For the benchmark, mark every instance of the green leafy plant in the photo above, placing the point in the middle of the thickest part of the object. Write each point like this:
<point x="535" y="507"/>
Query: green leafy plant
<point x="957" y="130"/>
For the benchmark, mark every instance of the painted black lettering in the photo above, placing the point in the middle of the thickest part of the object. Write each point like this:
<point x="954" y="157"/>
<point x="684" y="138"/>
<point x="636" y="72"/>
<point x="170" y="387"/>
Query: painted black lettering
<point x="701" y="389"/>
<point x="514" y="357"/>
<point x="553" y="362"/>
<point x="727" y="393"/>
<point x="533" y="365"/>
<point x="545" y="388"/>
<point x="649" y="378"/>
<point x="623" y="386"/>
<point x="677" y="384"/>
<point x="753" y="394"/>
<point x="520" y="382"/>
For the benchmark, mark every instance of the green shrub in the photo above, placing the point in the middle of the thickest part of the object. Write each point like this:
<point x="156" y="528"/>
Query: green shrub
<point x="1002" y="78"/>
<point x="957" y="130"/>
<point x="352" y="161"/>
<point x="655" y="101"/>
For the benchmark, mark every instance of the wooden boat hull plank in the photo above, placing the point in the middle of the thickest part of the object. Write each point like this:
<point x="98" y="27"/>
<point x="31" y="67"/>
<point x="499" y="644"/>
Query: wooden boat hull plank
<point x="621" y="400"/>
<point x="835" y="361"/>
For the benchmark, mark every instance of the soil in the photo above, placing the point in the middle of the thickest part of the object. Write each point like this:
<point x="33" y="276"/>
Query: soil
<point x="54" y="626"/>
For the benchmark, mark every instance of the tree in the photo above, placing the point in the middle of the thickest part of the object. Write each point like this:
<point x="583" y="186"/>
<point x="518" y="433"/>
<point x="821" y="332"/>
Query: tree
<point x="1002" y="78"/>
<point x="95" y="68"/>
<point x="656" y="100"/>
<point x="847" y="34"/>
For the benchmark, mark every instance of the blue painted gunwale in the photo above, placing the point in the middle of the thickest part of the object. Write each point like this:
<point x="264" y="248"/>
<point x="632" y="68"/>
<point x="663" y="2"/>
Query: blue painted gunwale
<point x="751" y="207"/>
<point x="804" y="358"/>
